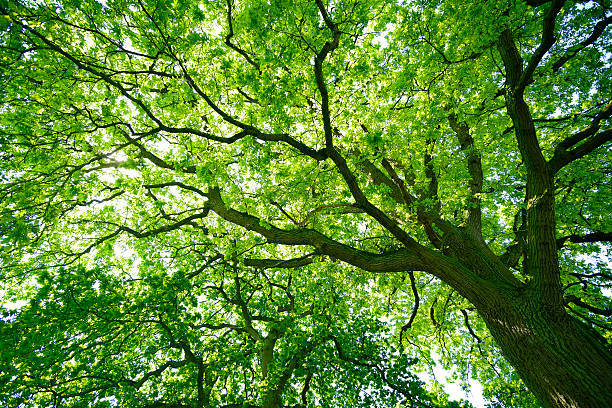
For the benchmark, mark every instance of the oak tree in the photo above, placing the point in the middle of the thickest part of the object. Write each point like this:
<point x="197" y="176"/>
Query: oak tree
<point x="293" y="203"/>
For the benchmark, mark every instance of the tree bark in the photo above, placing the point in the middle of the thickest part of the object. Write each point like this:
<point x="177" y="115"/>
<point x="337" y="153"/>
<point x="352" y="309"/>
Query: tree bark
<point x="562" y="361"/>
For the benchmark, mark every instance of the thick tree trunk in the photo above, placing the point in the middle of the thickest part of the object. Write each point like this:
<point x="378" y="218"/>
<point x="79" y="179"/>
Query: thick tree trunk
<point x="562" y="361"/>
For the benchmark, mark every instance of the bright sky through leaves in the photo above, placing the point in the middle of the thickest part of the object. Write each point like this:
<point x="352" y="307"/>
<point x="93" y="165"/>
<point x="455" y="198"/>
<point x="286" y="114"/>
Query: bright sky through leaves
<point x="305" y="203"/>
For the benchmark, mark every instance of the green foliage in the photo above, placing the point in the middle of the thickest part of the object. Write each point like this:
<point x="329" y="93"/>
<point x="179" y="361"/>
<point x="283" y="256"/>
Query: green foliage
<point x="126" y="284"/>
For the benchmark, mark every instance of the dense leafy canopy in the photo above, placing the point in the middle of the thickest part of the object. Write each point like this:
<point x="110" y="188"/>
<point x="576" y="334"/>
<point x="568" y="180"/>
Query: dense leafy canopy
<point x="296" y="203"/>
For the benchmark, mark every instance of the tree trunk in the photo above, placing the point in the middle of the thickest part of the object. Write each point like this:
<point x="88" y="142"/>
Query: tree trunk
<point x="562" y="361"/>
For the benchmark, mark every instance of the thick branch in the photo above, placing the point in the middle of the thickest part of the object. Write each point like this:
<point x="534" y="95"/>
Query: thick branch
<point x="424" y="216"/>
<point x="267" y="349"/>
<point x="514" y="252"/>
<point x="332" y="152"/>
<point x="585" y="148"/>
<point x="541" y="255"/>
<point x="474" y="165"/>
<point x="548" y="39"/>
<point x="318" y="69"/>
<point x="466" y="281"/>
<point x="579" y="239"/>
<point x="400" y="260"/>
<point x="280" y="263"/>
<point x="584" y="278"/>
<point x="378" y="178"/>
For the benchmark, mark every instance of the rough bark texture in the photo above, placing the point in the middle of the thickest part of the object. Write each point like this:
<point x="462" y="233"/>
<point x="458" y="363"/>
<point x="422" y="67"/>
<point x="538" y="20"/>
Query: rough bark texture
<point x="563" y="362"/>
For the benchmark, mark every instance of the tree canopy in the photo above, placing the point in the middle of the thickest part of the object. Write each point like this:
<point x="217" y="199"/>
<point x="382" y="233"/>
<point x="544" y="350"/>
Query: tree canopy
<point x="304" y="203"/>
